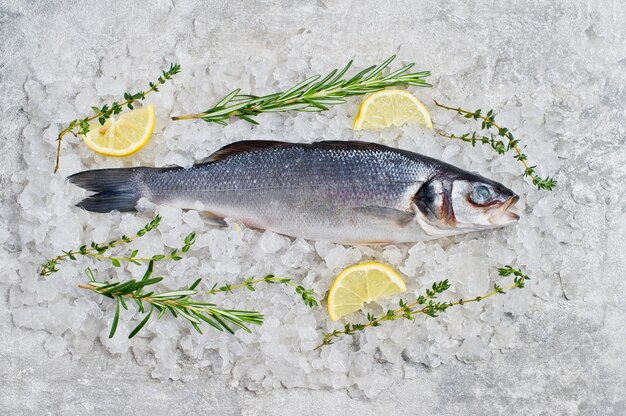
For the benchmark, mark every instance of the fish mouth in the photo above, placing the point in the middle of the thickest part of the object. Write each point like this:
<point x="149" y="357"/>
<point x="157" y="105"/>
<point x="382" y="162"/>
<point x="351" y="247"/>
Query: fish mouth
<point x="502" y="215"/>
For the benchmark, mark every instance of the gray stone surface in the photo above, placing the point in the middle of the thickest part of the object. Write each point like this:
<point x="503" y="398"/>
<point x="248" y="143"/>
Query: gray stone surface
<point x="570" y="359"/>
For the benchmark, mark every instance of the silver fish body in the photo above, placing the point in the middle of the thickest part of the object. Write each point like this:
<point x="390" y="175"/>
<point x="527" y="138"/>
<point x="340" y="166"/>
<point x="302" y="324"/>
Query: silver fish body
<point x="344" y="192"/>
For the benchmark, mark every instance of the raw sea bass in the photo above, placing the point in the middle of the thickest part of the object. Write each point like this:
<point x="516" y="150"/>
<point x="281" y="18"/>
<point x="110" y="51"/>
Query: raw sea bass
<point x="343" y="192"/>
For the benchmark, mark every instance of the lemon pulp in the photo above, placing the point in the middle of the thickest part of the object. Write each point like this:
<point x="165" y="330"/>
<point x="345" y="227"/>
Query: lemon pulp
<point x="391" y="108"/>
<point x="124" y="135"/>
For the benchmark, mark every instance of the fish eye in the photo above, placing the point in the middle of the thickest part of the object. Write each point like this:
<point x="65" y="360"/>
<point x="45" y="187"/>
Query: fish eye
<point x="481" y="194"/>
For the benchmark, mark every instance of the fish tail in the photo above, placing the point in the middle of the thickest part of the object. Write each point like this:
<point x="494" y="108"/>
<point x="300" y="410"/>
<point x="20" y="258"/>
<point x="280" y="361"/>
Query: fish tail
<point x="115" y="189"/>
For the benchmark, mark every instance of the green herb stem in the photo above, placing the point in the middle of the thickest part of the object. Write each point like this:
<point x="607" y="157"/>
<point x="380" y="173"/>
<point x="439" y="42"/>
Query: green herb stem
<point x="174" y="255"/>
<point x="311" y="95"/>
<point x="135" y="259"/>
<point x="488" y="122"/>
<point x="426" y="305"/>
<point x="106" y="111"/>
<point x="94" y="250"/>
<point x="308" y="295"/>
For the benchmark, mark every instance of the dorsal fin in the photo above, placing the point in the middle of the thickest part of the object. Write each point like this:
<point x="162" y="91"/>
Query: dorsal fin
<point x="243" y="146"/>
<point x="251" y="145"/>
<point x="348" y="144"/>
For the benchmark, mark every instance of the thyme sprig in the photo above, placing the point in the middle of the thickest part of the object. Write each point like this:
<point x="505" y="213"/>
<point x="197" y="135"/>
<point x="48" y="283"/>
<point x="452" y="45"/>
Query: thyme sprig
<point x="177" y="303"/>
<point x="190" y="239"/>
<point x="97" y="250"/>
<point x="314" y="94"/>
<point x="81" y="126"/>
<point x="308" y="295"/>
<point x="489" y="122"/>
<point x="425" y="304"/>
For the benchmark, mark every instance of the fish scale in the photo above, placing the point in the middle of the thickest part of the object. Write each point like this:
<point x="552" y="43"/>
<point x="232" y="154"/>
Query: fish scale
<point x="312" y="198"/>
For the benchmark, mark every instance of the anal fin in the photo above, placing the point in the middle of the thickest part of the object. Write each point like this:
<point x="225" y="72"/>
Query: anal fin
<point x="213" y="219"/>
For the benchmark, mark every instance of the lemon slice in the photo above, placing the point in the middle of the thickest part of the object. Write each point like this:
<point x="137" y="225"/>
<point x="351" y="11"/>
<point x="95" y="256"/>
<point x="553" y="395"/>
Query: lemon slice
<point x="391" y="108"/>
<point x="362" y="283"/>
<point x="123" y="136"/>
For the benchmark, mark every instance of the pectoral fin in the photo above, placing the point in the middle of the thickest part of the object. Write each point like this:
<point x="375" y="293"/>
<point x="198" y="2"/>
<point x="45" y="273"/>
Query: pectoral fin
<point x="398" y="217"/>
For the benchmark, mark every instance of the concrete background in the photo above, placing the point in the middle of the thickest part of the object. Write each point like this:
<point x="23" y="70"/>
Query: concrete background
<point x="570" y="359"/>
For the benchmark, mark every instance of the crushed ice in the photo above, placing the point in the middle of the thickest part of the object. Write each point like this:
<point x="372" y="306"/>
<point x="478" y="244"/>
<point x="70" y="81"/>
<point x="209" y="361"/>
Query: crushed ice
<point x="278" y="353"/>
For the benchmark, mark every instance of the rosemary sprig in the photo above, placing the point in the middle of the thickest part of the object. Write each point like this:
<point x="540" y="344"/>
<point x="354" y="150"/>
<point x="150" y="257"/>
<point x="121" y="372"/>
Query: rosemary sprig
<point x="97" y="250"/>
<point x="489" y="122"/>
<point x="311" y="95"/>
<point x="106" y="111"/>
<point x="308" y="295"/>
<point x="425" y="304"/>
<point x="177" y="303"/>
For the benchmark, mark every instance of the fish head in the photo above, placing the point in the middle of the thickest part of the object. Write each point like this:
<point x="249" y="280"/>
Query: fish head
<point x="463" y="202"/>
